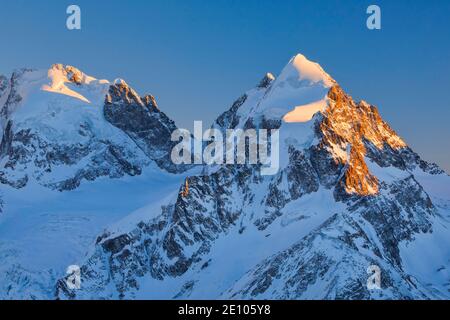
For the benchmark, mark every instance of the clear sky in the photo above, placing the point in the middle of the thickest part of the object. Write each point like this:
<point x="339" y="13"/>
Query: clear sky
<point x="197" y="57"/>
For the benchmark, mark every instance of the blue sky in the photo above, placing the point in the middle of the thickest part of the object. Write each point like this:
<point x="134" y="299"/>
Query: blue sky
<point x="197" y="57"/>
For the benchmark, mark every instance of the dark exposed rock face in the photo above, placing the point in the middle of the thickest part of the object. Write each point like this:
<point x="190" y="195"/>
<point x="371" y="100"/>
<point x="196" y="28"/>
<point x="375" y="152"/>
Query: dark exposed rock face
<point x="5" y="144"/>
<point x="8" y="91"/>
<point x="170" y="244"/>
<point x="357" y="131"/>
<point x="141" y="119"/>
<point x="3" y="86"/>
<point x="19" y="152"/>
<point x="230" y="119"/>
<point x="324" y="260"/>
<point x="341" y="244"/>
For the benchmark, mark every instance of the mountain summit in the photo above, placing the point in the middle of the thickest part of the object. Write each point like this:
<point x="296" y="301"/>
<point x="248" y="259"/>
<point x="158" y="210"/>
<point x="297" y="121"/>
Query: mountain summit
<point x="350" y="196"/>
<point x="61" y="126"/>
<point x="301" y="69"/>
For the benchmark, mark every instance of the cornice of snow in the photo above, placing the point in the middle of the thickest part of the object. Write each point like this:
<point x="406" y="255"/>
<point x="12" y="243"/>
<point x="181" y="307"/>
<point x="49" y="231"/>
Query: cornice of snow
<point x="61" y="75"/>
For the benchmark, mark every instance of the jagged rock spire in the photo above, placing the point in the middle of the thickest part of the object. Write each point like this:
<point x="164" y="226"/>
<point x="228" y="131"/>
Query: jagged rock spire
<point x="185" y="192"/>
<point x="266" y="81"/>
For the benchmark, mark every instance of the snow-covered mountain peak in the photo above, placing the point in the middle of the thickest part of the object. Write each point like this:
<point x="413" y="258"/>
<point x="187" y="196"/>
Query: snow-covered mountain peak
<point x="296" y="94"/>
<point x="60" y="126"/>
<point x="303" y="70"/>
<point x="69" y="74"/>
<point x="60" y="76"/>
<point x="59" y="98"/>
<point x="121" y="91"/>
<point x="120" y="82"/>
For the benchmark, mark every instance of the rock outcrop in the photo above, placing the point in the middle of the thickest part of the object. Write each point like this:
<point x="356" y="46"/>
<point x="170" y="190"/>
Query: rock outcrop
<point x="141" y="119"/>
